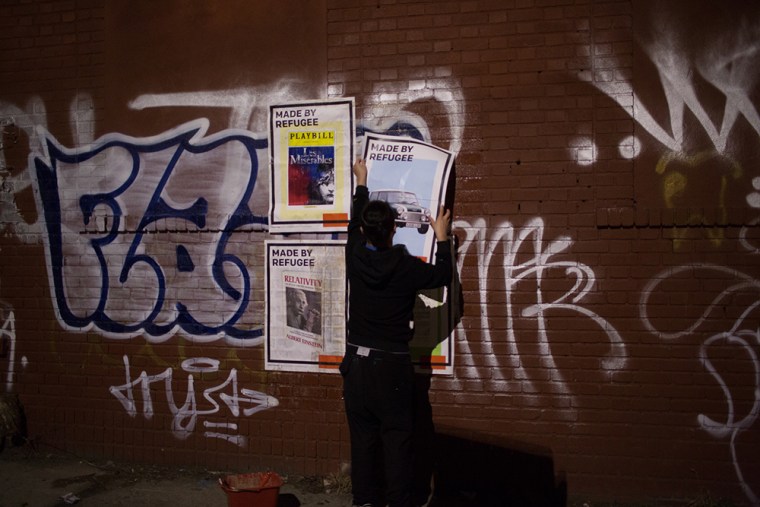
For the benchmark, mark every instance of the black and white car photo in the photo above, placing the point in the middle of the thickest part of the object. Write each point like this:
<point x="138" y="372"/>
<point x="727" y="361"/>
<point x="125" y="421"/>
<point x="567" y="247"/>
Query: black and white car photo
<point x="409" y="211"/>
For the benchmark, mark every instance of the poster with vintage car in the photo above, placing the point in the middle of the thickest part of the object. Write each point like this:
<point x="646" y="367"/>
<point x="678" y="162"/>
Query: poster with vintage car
<point x="412" y="176"/>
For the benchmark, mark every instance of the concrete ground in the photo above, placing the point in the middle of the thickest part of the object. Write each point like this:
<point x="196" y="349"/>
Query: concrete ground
<point x="41" y="478"/>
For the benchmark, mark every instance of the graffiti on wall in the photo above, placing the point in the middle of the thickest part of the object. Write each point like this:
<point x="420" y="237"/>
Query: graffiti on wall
<point x="529" y="263"/>
<point x="753" y="199"/>
<point x="701" y="139"/>
<point x="743" y="336"/>
<point x="8" y="343"/>
<point x="133" y="184"/>
<point x="238" y="401"/>
<point x="110" y="204"/>
<point x="149" y="223"/>
<point x="697" y="138"/>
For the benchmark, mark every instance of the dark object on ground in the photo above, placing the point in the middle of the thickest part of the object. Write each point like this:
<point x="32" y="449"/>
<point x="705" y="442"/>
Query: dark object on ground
<point x="473" y="471"/>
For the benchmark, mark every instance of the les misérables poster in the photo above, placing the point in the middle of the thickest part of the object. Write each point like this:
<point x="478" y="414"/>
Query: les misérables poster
<point x="311" y="152"/>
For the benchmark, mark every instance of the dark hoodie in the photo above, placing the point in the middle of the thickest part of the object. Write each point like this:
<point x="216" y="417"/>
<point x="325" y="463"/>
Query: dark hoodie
<point x="383" y="285"/>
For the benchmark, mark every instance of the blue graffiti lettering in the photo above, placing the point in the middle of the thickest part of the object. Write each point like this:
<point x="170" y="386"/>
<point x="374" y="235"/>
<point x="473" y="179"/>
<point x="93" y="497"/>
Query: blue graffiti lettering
<point x="132" y="173"/>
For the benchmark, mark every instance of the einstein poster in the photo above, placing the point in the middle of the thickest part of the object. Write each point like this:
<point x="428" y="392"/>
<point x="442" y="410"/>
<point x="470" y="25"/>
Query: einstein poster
<point x="305" y="305"/>
<point x="311" y="151"/>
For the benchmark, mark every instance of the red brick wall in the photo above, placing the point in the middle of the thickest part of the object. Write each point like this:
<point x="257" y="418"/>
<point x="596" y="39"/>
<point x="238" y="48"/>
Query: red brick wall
<point x="606" y="213"/>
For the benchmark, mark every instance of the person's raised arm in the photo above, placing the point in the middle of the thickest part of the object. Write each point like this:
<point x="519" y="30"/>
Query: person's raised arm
<point x="441" y="225"/>
<point x="440" y="273"/>
<point x="360" y="199"/>
<point x="360" y="171"/>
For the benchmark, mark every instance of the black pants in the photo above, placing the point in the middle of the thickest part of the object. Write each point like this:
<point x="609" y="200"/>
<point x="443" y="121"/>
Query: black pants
<point x="378" y="390"/>
<point x="424" y="440"/>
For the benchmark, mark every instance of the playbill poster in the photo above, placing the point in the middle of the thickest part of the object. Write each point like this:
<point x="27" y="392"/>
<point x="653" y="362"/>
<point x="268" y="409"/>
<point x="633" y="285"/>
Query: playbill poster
<point x="412" y="177"/>
<point x="311" y="152"/>
<point x="305" y="305"/>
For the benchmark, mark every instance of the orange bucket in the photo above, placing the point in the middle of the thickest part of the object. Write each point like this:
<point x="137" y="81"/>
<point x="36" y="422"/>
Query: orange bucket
<point x="258" y="489"/>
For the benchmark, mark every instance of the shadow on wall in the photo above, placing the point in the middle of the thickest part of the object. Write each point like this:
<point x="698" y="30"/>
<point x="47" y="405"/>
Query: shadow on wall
<point x="474" y="471"/>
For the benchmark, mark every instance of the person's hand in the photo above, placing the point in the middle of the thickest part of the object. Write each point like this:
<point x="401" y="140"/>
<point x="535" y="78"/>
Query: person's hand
<point x="360" y="171"/>
<point x="441" y="225"/>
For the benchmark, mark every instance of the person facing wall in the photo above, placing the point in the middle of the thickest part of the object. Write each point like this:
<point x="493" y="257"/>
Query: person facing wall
<point x="377" y="370"/>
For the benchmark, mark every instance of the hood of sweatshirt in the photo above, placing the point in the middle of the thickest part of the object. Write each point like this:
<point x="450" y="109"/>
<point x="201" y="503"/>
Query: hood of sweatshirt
<point x="376" y="267"/>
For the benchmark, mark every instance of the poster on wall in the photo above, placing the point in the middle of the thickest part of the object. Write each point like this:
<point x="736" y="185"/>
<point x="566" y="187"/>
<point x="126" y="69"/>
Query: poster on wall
<point x="305" y="305"/>
<point x="311" y="152"/>
<point x="412" y="176"/>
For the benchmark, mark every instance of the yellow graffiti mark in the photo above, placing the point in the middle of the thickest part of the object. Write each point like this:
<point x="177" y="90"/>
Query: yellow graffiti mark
<point x="675" y="185"/>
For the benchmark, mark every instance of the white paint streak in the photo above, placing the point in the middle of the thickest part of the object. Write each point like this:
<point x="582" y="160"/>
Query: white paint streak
<point x="388" y="102"/>
<point x="728" y="63"/>
<point x="248" y="106"/>
<point x="732" y="428"/>
<point x="28" y="120"/>
<point x="745" y="282"/>
<point x="8" y="332"/>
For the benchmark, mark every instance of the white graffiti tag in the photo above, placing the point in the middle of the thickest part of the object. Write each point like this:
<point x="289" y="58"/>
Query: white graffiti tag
<point x="186" y="415"/>
<point x="728" y="63"/>
<point x="537" y="265"/>
<point x="743" y="334"/>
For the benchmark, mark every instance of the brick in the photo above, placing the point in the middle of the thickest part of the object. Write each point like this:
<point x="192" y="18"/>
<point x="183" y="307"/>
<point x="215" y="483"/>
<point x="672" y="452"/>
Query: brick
<point x="525" y="71"/>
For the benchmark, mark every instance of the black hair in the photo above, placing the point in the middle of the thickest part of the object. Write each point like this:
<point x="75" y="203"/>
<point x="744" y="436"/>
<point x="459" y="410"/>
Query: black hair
<point x="378" y="221"/>
<point x="323" y="174"/>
